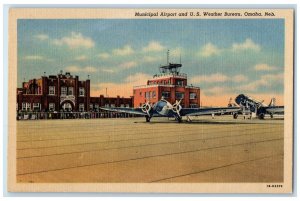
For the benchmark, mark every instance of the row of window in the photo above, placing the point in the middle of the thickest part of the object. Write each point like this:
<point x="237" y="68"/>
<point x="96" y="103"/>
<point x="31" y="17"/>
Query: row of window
<point x="66" y="91"/>
<point x="177" y="82"/>
<point x="166" y="94"/>
<point x="67" y="106"/>
<point x="150" y="94"/>
<point x="160" y="82"/>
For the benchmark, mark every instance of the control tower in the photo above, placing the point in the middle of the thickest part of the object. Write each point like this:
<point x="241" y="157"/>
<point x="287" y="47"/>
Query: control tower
<point x="169" y="84"/>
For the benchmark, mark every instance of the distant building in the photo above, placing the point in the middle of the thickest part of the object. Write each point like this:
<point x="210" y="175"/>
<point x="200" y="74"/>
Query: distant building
<point x="63" y="93"/>
<point x="169" y="84"/>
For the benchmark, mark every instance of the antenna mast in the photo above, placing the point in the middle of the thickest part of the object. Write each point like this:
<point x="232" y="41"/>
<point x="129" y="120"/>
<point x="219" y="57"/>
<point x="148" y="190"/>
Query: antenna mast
<point x="168" y="52"/>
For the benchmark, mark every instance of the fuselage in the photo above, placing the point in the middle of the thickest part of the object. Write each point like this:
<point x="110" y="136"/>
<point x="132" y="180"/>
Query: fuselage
<point x="163" y="108"/>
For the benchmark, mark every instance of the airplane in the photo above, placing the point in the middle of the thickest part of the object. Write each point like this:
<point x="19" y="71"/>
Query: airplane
<point x="251" y="105"/>
<point x="163" y="108"/>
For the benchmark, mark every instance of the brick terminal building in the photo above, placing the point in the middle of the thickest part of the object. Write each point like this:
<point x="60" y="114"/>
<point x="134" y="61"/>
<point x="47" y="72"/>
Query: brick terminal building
<point x="169" y="84"/>
<point x="63" y="93"/>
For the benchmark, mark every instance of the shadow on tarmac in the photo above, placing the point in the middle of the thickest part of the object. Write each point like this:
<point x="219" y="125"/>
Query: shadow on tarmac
<point x="214" y="122"/>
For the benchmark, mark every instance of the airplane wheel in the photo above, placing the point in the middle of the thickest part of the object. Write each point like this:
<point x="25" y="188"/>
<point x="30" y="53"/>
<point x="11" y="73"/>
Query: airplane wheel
<point x="261" y="116"/>
<point x="235" y="115"/>
<point x="147" y="119"/>
<point x="179" y="119"/>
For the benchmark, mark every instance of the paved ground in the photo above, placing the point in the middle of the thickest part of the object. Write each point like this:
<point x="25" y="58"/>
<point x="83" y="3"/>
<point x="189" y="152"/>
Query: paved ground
<point x="131" y="150"/>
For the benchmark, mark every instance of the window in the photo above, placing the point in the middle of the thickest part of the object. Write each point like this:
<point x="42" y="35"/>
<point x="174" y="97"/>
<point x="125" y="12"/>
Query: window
<point x="154" y="94"/>
<point x="26" y="106"/>
<point x="141" y="93"/>
<point x="106" y="105"/>
<point x="193" y="95"/>
<point x="51" y="90"/>
<point x="91" y="107"/>
<point x="97" y="107"/>
<point x="70" y="91"/>
<point x="112" y="105"/>
<point x="23" y="106"/>
<point x="36" y="106"/>
<point x="81" y="91"/>
<point x="179" y="95"/>
<point x="81" y="107"/>
<point x="122" y="105"/>
<point x="63" y="91"/>
<point x="147" y="94"/>
<point x="193" y="105"/>
<point x="150" y="94"/>
<point x="179" y="82"/>
<point x="51" y="106"/>
<point x="165" y="94"/>
<point x="127" y="105"/>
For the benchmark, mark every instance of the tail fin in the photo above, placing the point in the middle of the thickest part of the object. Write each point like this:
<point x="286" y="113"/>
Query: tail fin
<point x="272" y="102"/>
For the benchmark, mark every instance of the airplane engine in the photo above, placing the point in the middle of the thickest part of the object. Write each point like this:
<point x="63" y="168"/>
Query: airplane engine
<point x="177" y="107"/>
<point x="146" y="108"/>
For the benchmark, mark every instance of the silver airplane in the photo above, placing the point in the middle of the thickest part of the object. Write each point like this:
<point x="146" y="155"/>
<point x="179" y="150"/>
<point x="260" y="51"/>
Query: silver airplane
<point x="251" y="105"/>
<point x="165" y="109"/>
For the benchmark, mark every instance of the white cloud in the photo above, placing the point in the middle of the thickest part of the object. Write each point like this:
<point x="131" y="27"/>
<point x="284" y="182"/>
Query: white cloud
<point x="42" y="37"/>
<point x="149" y="59"/>
<point x="80" y="58"/>
<point x="239" y="78"/>
<point x="216" y="90"/>
<point x="108" y="70"/>
<point x="264" y="67"/>
<point x="209" y="50"/>
<point x="76" y="69"/>
<point x="153" y="46"/>
<point x="126" y="50"/>
<point x="265" y="81"/>
<point x="217" y="77"/>
<point x="104" y="55"/>
<point x="75" y="40"/>
<point x="128" y="65"/>
<point x="34" y="57"/>
<point x="247" y="45"/>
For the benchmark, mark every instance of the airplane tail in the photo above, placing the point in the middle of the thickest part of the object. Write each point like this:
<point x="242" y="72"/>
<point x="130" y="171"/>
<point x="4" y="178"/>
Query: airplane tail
<point x="272" y="102"/>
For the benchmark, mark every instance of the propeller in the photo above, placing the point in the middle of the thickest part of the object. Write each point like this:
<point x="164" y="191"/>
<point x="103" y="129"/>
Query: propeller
<point x="146" y="107"/>
<point x="177" y="107"/>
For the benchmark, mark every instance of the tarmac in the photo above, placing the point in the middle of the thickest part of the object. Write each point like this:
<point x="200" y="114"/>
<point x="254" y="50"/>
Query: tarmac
<point x="129" y="150"/>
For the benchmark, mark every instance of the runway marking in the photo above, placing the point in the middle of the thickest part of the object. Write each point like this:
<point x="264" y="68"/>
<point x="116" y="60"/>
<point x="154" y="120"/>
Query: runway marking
<point x="174" y="142"/>
<point x="215" y="168"/>
<point x="97" y="142"/>
<point x="159" y="155"/>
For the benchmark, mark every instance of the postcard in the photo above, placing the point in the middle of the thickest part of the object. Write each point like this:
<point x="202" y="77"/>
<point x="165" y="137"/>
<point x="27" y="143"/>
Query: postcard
<point x="151" y="100"/>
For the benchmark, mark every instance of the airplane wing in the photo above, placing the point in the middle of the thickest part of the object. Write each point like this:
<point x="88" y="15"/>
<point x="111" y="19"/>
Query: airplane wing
<point x="137" y="111"/>
<point x="275" y="109"/>
<point x="206" y="111"/>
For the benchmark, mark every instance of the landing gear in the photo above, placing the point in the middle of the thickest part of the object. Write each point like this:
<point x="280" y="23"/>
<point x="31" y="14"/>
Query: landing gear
<point x="179" y="119"/>
<point x="188" y="119"/>
<point x="261" y="116"/>
<point x="235" y="115"/>
<point x="271" y="116"/>
<point x="148" y="119"/>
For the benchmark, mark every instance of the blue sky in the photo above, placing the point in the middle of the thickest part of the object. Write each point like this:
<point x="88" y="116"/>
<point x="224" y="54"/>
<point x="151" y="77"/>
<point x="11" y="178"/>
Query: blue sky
<point x="222" y="56"/>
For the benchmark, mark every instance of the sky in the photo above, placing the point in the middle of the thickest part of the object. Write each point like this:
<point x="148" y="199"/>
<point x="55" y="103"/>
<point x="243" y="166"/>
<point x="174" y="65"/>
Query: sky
<point x="224" y="57"/>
